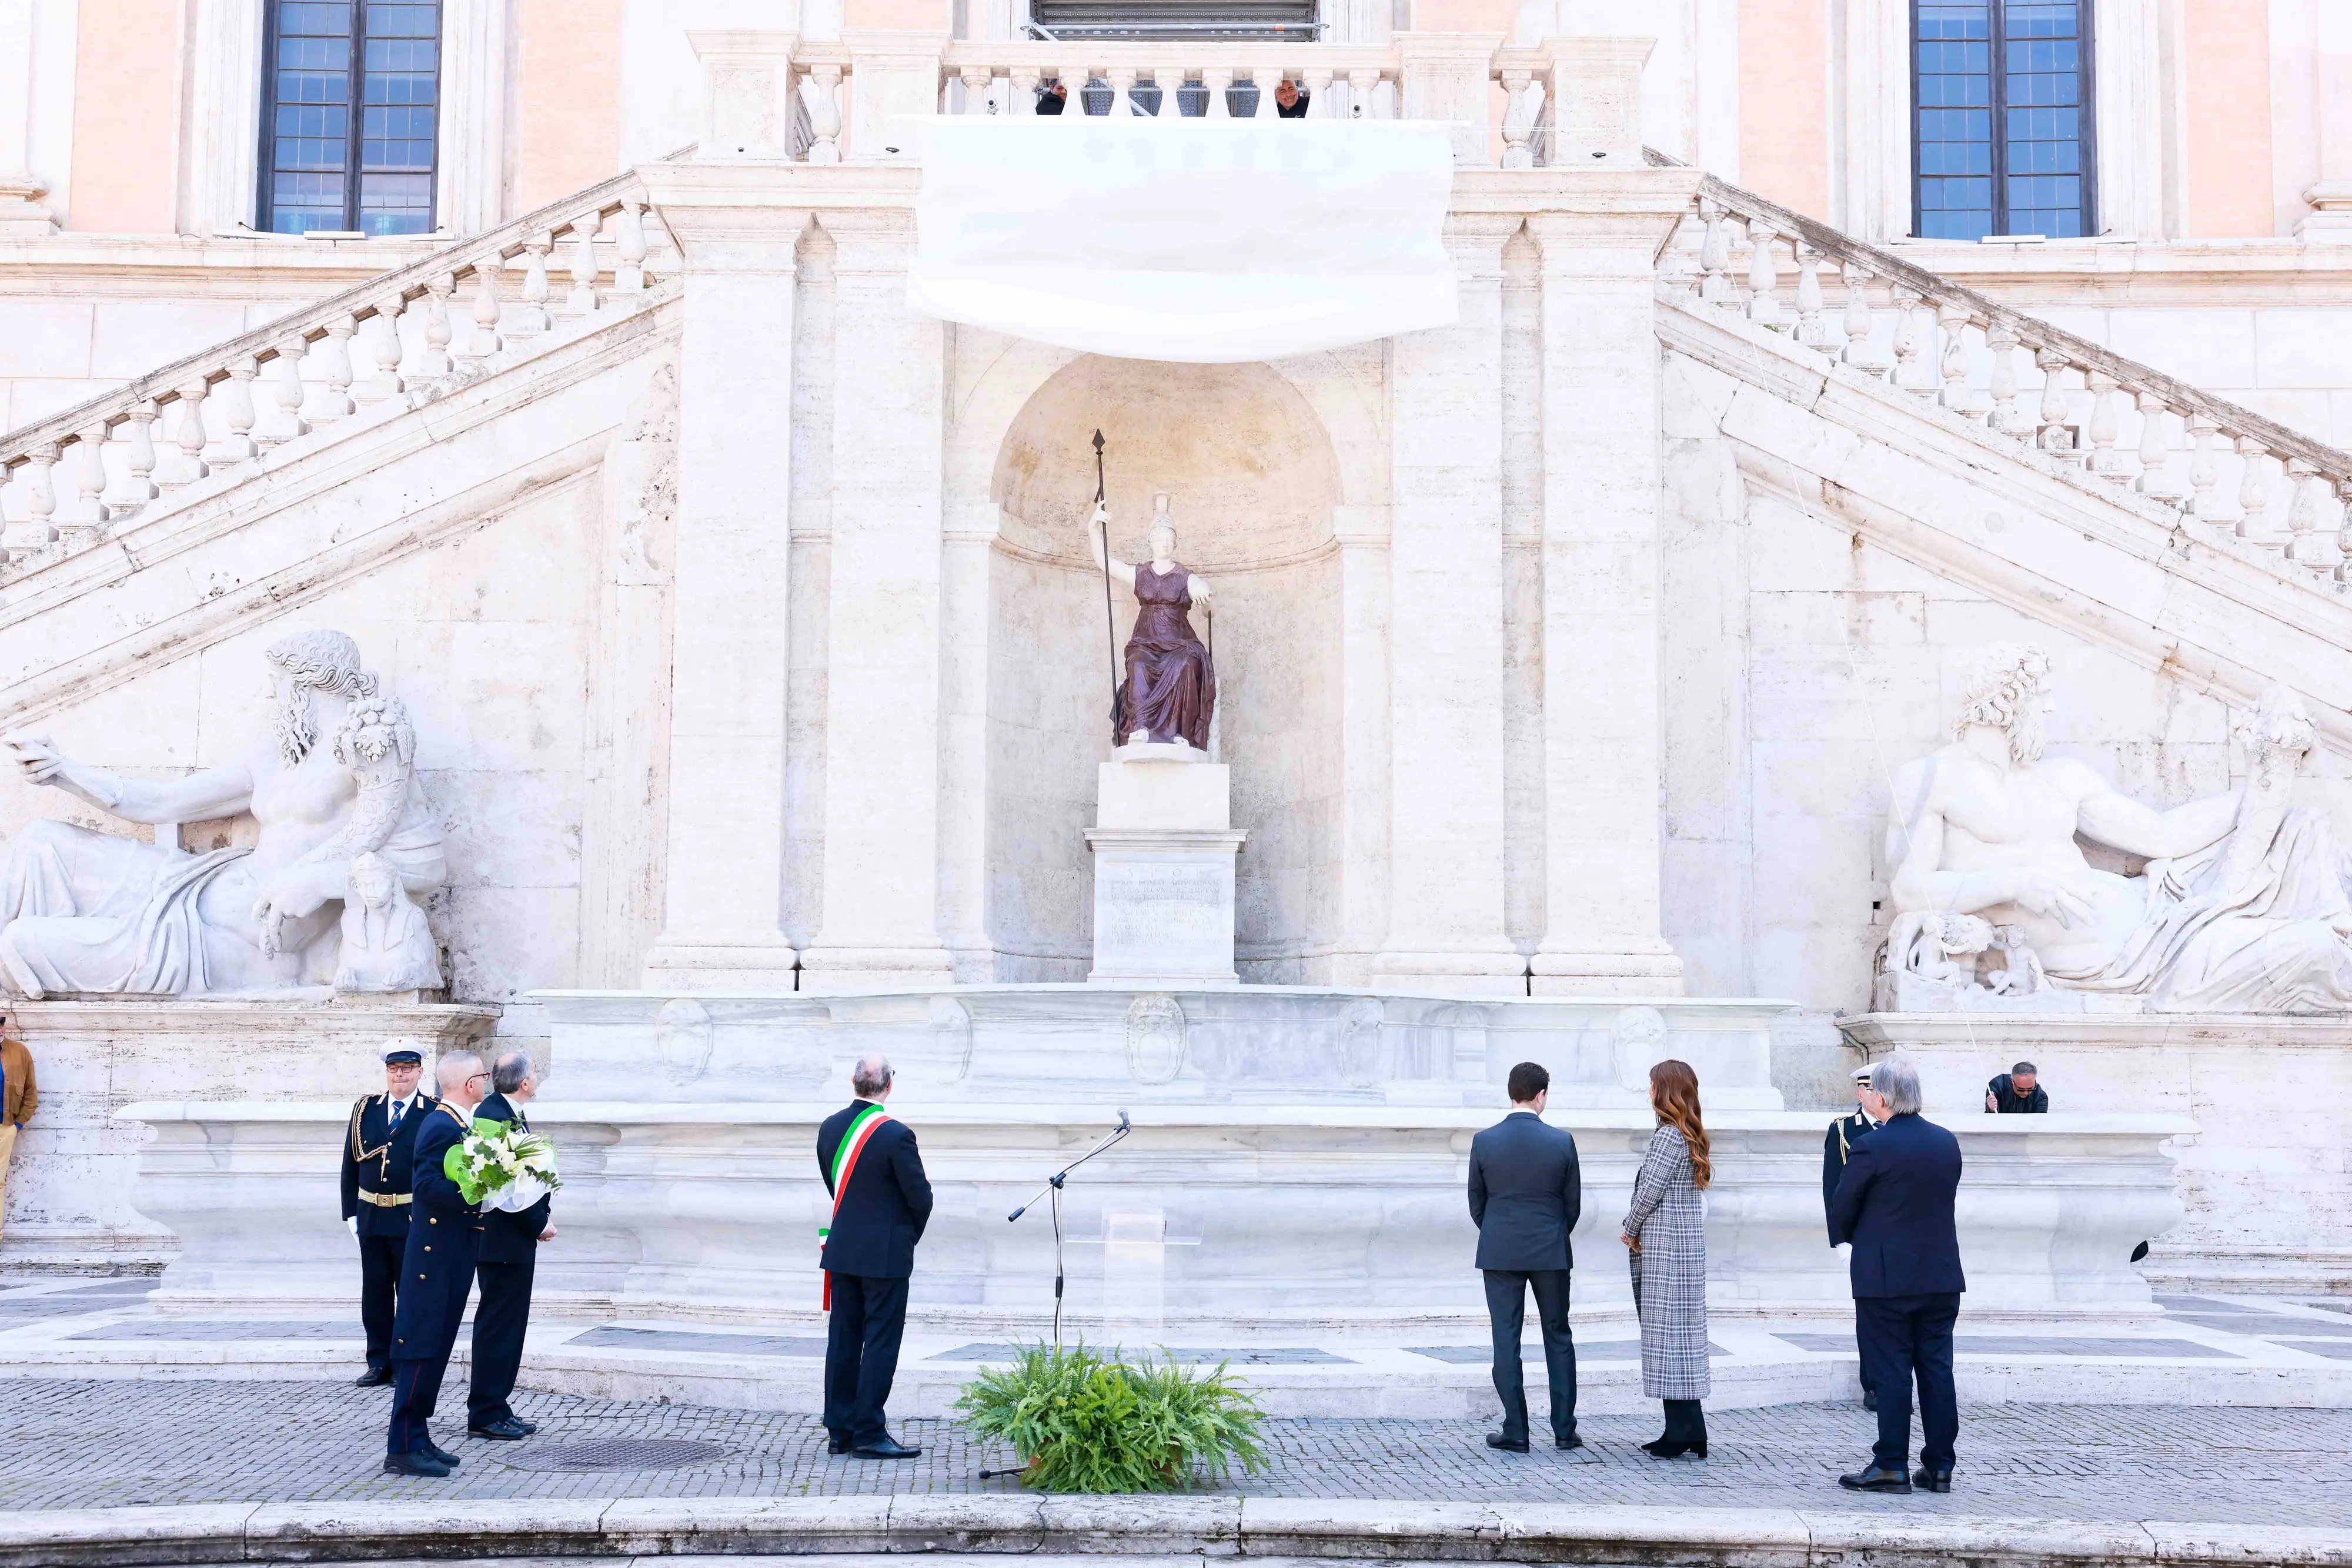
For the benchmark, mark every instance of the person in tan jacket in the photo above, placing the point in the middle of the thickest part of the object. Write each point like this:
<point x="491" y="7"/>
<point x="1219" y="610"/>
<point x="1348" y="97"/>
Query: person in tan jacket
<point x="19" y="1098"/>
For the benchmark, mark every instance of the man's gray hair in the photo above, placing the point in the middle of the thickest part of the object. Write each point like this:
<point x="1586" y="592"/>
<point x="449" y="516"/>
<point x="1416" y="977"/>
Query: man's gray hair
<point x="871" y="1076"/>
<point x="449" y="1073"/>
<point x="1897" y="1081"/>
<point x="510" y="1071"/>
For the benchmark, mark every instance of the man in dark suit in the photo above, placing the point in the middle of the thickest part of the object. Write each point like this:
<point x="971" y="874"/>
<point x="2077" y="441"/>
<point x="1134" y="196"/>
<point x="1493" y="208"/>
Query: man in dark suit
<point x="881" y="1201"/>
<point x="1525" y="1195"/>
<point x="1895" y="1203"/>
<point x="436" y="1272"/>
<point x="1837" y="1147"/>
<point x="2018" y="1092"/>
<point x="376" y="1152"/>
<point x="502" y="1266"/>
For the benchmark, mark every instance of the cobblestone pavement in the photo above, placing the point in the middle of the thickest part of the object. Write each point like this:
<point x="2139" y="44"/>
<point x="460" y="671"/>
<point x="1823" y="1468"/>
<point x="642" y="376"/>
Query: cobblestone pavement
<point x="99" y="1443"/>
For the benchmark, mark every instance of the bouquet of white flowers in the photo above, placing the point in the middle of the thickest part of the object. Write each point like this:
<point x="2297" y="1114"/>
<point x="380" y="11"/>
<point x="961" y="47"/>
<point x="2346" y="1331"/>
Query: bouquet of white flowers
<point x="500" y="1166"/>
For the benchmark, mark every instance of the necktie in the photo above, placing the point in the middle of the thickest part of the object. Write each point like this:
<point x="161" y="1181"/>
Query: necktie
<point x="398" y="1106"/>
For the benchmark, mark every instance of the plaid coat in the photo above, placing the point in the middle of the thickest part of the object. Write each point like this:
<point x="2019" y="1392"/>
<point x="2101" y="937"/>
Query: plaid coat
<point x="1669" y="1219"/>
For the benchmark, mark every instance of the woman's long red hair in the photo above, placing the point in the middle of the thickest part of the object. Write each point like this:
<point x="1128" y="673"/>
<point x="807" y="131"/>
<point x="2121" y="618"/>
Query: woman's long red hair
<point x="1673" y="1095"/>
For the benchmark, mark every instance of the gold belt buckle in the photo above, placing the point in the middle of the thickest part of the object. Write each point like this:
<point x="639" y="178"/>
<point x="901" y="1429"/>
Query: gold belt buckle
<point x="386" y="1199"/>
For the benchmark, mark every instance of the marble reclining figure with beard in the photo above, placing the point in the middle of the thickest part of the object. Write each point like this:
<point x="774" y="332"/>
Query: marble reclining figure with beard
<point x="86" y="912"/>
<point x="2243" y="907"/>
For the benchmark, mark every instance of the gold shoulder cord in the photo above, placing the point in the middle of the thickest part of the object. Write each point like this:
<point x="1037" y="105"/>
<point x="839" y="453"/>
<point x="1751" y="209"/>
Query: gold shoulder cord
<point x="359" y="1150"/>
<point x="1845" y="1151"/>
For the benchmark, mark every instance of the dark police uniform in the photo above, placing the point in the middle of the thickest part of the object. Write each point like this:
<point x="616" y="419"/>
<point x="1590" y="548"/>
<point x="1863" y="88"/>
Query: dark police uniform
<point x="503" y="1265"/>
<point x="1837" y="1148"/>
<point x="436" y="1272"/>
<point x="376" y="1197"/>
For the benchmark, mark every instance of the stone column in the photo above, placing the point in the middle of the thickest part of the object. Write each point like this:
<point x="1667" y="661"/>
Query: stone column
<point x="881" y="925"/>
<point x="1446" y="639"/>
<point x="23" y="215"/>
<point x="1601" y="717"/>
<point x="2329" y="222"/>
<point x="729" y="658"/>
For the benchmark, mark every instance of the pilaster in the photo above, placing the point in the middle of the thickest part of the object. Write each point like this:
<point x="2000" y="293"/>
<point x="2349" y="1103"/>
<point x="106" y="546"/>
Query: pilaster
<point x="882" y="903"/>
<point x="1602" y="750"/>
<point x="1446" y="639"/>
<point x="730" y="652"/>
<point x="2329" y="222"/>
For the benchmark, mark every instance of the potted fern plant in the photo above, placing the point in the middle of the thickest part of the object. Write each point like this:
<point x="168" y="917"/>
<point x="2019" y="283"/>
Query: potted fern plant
<point x="1083" y="1423"/>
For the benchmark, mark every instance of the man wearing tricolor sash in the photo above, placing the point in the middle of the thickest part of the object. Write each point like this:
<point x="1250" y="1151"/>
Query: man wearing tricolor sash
<point x="880" y="1201"/>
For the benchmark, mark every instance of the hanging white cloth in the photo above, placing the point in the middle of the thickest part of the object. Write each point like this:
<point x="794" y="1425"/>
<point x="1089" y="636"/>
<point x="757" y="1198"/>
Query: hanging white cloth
<point x="1208" y="241"/>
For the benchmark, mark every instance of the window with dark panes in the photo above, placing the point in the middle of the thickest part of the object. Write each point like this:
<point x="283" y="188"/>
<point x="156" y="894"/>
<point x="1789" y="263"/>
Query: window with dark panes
<point x="2001" y="139"/>
<point x="349" y="115"/>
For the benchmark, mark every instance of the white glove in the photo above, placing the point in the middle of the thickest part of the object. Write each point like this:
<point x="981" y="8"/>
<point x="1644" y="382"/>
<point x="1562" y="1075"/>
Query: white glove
<point x="353" y="1225"/>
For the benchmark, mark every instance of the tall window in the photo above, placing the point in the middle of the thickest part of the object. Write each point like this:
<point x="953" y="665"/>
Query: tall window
<point x="348" y="116"/>
<point x="2002" y="90"/>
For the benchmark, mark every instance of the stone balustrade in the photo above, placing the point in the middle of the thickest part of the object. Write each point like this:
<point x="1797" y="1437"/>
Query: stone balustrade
<point x="68" y="481"/>
<point x="2216" y="471"/>
<point x="1567" y="101"/>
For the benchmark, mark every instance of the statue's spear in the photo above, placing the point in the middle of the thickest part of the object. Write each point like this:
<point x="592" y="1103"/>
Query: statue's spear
<point x="1111" y="629"/>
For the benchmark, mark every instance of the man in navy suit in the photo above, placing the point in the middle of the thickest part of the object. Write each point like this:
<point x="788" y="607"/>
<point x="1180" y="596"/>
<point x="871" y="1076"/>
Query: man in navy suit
<point x="504" y="1263"/>
<point x="881" y="1202"/>
<point x="1525" y="1195"/>
<point x="436" y="1272"/>
<point x="377" y="1149"/>
<point x="1894" y="1203"/>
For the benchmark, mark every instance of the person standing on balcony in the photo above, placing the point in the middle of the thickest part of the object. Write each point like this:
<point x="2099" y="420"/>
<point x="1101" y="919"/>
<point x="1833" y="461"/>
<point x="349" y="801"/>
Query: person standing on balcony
<point x="1289" y="103"/>
<point x="1665" y="1236"/>
<point x="1525" y="1192"/>
<point x="1054" y="99"/>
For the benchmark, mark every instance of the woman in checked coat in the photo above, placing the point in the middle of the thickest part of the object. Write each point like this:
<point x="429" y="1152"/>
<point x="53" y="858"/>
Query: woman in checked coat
<point x="1666" y="1233"/>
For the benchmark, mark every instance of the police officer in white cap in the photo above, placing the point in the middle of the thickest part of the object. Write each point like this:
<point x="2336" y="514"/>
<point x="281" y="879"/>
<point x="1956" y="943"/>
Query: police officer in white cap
<point x="1836" y="1149"/>
<point x="376" y="1192"/>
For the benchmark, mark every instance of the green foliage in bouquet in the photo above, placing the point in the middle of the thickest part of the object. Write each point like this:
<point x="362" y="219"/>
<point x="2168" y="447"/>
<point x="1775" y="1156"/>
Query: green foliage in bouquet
<point x="1084" y="1424"/>
<point x="492" y="1153"/>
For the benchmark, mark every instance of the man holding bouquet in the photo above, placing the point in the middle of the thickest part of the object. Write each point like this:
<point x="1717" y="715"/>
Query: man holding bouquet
<point x="436" y="1272"/>
<point x="509" y="1253"/>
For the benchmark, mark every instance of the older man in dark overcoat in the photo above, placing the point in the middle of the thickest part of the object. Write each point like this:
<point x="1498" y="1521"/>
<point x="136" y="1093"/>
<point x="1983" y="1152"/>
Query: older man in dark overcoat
<point x="436" y="1272"/>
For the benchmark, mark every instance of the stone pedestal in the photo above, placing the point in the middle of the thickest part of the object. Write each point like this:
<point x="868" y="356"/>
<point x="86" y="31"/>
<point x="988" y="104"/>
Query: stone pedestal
<point x="1164" y="848"/>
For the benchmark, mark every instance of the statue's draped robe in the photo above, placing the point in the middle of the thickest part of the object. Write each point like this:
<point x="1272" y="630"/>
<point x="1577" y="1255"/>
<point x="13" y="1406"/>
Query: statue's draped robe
<point x="1171" y="690"/>
<point x="2271" y="944"/>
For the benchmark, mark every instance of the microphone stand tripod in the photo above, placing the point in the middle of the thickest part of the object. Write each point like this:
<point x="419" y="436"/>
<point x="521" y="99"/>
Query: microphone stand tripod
<point x="1052" y="1187"/>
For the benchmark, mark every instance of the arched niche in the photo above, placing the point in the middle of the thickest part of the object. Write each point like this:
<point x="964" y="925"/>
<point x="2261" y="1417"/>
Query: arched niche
<point x="1253" y="478"/>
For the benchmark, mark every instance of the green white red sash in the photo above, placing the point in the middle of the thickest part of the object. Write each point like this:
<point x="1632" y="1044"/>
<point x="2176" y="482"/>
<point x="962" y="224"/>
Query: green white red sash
<point x="845" y="1161"/>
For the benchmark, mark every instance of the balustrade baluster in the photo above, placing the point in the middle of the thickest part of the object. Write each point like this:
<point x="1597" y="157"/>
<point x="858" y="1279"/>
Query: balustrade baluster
<point x="484" y="341"/>
<point x="582" y="300"/>
<point x="2306" y="546"/>
<point x="2155" y="478"/>
<point x="332" y="399"/>
<point x="1518" y="125"/>
<point x="1315" y="82"/>
<point x="822" y="95"/>
<point x="1677" y="279"/>
<point x="433" y="364"/>
<point x="528" y="318"/>
<point x="40" y="501"/>
<point x="1365" y="81"/>
<point x="185" y="458"/>
<point x="1811" y="331"/>
<point x="1074" y="87"/>
<point x="1907" y="370"/>
<point x="2204" y="472"/>
<point x="138" y="486"/>
<point x="1266" y="80"/>
<point x="381" y="383"/>
<point x="2107" y="427"/>
<point x="629" y="246"/>
<point x="1860" y="349"/>
<point x="2254" y="488"/>
<point x="2343" y="533"/>
<point x="2006" y="416"/>
<point x="1714" y="254"/>
<point x="237" y="413"/>
<point x="2057" y="435"/>
<point x="1122" y="87"/>
<point x="976" y="80"/>
<point x="1022" y="95"/>
<point x="1956" y="397"/>
<point x="1217" y="82"/>
<point x="88" y="511"/>
<point x="1763" y="275"/>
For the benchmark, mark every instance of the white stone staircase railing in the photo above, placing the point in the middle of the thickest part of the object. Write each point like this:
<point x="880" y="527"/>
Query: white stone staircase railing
<point x="2227" y="475"/>
<point x="79" y="473"/>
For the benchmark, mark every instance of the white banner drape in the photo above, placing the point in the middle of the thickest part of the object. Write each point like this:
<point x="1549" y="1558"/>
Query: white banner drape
<point x="1209" y="241"/>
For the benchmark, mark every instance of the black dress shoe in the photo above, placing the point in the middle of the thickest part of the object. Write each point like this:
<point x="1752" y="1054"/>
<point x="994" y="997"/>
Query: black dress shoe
<point x="886" y="1446"/>
<point x="373" y="1378"/>
<point x="1571" y="1441"/>
<point x="528" y="1427"/>
<point x="442" y="1454"/>
<point x="1497" y="1440"/>
<point x="1878" y="1478"/>
<point x="1932" y="1481"/>
<point x="416" y="1464"/>
<point x="505" y="1429"/>
<point x="836" y="1445"/>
